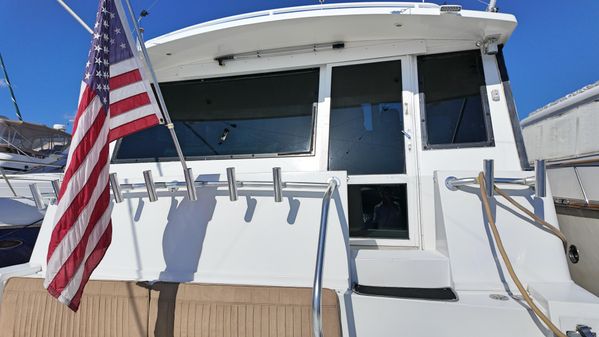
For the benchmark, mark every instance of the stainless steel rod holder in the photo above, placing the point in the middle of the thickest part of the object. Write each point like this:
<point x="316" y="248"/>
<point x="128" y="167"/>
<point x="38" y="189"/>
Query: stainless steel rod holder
<point x="37" y="196"/>
<point x="489" y="170"/>
<point x="190" y="183"/>
<point x="540" y="178"/>
<point x="56" y="188"/>
<point x="150" y="186"/>
<point x="277" y="184"/>
<point x="116" y="188"/>
<point x="232" y="183"/>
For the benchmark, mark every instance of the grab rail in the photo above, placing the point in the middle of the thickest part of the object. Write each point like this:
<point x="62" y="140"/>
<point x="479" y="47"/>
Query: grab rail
<point x="317" y="287"/>
<point x="538" y="181"/>
<point x="8" y="182"/>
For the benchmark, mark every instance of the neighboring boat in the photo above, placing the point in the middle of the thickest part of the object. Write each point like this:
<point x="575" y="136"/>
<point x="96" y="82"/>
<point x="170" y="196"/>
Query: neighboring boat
<point x="23" y="201"/>
<point x="565" y="134"/>
<point x="347" y="134"/>
<point x="26" y="146"/>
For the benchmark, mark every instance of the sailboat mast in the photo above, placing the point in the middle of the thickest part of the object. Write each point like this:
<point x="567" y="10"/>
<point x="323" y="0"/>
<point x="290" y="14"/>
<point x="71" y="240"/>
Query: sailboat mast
<point x="12" y="93"/>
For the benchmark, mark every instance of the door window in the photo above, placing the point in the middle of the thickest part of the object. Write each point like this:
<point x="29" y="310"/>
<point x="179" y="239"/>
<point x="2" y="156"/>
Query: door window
<point x="367" y="141"/>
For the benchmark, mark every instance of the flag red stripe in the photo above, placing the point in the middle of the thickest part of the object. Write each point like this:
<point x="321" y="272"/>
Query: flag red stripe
<point x="125" y="79"/>
<point x="86" y="98"/>
<point x="129" y="104"/>
<point x="71" y="214"/>
<point x="82" y="149"/>
<point x="70" y="266"/>
<point x="91" y="263"/>
<point x="135" y="126"/>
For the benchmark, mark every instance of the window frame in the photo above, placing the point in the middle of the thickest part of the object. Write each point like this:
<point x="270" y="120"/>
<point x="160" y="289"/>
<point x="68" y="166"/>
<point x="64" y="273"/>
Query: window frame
<point x="411" y="177"/>
<point x="310" y="153"/>
<point x="490" y="142"/>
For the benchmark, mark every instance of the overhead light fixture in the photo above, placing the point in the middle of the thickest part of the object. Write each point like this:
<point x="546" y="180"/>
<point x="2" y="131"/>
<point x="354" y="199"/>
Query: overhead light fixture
<point x="450" y="9"/>
<point x="280" y="51"/>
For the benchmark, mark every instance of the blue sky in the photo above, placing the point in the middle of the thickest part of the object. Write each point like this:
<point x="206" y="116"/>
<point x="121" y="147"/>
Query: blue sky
<point x="554" y="50"/>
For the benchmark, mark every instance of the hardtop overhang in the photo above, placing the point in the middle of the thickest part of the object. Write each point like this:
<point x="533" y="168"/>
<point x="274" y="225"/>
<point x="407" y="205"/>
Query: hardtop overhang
<point x="306" y="25"/>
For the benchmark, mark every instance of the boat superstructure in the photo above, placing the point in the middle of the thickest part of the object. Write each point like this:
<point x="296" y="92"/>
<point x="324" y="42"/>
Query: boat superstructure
<point x="335" y="145"/>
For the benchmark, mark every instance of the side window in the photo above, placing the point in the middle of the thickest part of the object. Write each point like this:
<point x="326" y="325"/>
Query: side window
<point x="260" y="115"/>
<point x="455" y="104"/>
<point x="366" y="140"/>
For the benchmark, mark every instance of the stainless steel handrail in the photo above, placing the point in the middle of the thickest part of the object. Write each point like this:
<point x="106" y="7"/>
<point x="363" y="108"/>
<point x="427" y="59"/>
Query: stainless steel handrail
<point x="322" y="237"/>
<point x="538" y="181"/>
<point x="8" y="182"/>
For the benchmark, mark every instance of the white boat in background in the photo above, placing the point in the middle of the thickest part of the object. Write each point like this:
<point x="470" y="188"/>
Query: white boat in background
<point x="336" y="150"/>
<point x="565" y="134"/>
<point x="26" y="146"/>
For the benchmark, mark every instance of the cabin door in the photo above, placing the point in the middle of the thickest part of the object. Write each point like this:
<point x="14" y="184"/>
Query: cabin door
<point x="371" y="137"/>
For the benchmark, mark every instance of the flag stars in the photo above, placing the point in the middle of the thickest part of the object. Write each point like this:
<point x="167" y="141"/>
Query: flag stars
<point x="105" y="24"/>
<point x="105" y="37"/>
<point x="97" y="60"/>
<point x="106" y="50"/>
<point x="87" y="75"/>
<point x="117" y="30"/>
<point x="97" y="48"/>
<point x="96" y="36"/>
<point x="123" y="46"/>
<point x="111" y="41"/>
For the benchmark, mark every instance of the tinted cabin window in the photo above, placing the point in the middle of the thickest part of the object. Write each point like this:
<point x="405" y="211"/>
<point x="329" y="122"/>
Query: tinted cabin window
<point x="378" y="211"/>
<point x="367" y="119"/>
<point x="266" y="114"/>
<point x="453" y="85"/>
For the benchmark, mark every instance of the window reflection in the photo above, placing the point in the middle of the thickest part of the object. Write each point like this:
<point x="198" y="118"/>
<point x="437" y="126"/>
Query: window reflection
<point x="378" y="211"/>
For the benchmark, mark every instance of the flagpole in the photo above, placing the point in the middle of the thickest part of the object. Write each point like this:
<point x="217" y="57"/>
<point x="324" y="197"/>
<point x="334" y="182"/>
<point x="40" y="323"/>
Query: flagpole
<point x="169" y="124"/>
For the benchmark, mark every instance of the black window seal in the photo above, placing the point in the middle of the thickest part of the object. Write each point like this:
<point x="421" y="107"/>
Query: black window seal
<point x="490" y="142"/>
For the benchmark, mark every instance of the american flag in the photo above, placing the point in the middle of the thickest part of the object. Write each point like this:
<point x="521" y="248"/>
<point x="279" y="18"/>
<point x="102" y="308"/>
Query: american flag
<point x="115" y="100"/>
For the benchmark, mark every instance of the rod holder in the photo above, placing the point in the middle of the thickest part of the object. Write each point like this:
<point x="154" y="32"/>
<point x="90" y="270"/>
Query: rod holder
<point x="56" y="189"/>
<point x="232" y="182"/>
<point x="489" y="170"/>
<point x="277" y="184"/>
<point x="540" y="178"/>
<point x="150" y="186"/>
<point x="116" y="188"/>
<point x="190" y="183"/>
<point x="37" y="196"/>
